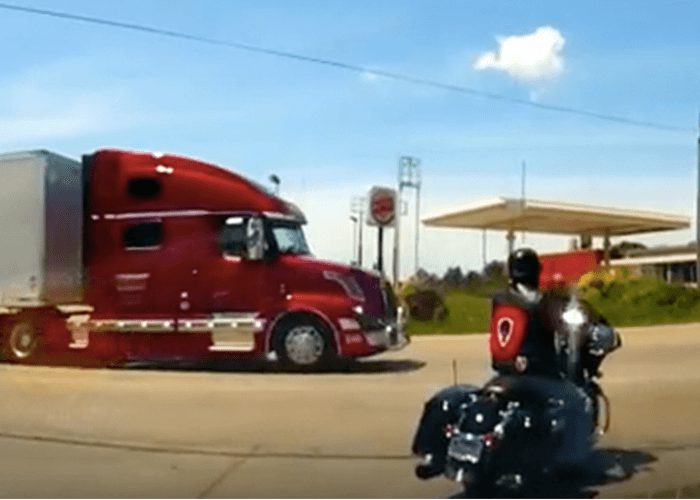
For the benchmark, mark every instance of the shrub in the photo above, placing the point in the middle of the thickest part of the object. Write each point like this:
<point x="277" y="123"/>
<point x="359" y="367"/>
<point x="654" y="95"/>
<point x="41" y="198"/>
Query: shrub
<point x="635" y="292"/>
<point x="424" y="301"/>
<point x="598" y="279"/>
<point x="425" y="305"/>
<point x="641" y="301"/>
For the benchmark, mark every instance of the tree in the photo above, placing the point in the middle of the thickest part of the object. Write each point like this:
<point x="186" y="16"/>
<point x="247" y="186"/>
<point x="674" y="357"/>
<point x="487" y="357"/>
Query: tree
<point x="424" y="278"/>
<point x="620" y="250"/>
<point x="453" y="277"/>
<point x="494" y="270"/>
<point x="472" y="278"/>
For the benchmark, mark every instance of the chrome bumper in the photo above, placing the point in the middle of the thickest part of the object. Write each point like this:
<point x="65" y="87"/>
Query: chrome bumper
<point x="392" y="336"/>
<point x="386" y="339"/>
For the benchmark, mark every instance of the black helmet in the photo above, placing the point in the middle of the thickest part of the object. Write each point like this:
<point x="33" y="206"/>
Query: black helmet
<point x="524" y="268"/>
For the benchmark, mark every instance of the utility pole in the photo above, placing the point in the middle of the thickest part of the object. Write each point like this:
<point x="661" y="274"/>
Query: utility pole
<point x="353" y="218"/>
<point x="697" y="217"/>
<point x="522" y="196"/>
<point x="409" y="176"/>
<point x="357" y="208"/>
<point x="416" y="263"/>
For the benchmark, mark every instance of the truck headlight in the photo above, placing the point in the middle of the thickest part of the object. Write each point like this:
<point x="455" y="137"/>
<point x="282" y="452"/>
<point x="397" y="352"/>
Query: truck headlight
<point x="367" y="322"/>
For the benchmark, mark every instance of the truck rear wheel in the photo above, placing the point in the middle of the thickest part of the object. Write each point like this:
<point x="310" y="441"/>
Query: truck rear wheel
<point x="21" y="341"/>
<point x="303" y="342"/>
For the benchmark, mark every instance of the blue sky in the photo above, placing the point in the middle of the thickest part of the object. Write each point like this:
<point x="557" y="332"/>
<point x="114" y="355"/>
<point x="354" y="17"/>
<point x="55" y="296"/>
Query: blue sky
<point x="330" y="134"/>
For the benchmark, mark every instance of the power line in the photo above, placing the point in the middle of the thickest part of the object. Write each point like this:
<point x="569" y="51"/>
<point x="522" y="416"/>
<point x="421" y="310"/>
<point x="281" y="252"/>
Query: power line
<point x="415" y="80"/>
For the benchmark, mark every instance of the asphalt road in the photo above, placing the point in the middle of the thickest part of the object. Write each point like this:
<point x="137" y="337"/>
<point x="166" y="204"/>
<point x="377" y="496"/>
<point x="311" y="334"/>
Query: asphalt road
<point x="242" y="433"/>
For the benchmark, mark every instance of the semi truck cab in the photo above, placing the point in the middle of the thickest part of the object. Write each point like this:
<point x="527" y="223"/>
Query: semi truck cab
<point x="180" y="259"/>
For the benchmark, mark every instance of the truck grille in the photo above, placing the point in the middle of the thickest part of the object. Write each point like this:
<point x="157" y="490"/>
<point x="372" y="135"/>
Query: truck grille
<point x="388" y="301"/>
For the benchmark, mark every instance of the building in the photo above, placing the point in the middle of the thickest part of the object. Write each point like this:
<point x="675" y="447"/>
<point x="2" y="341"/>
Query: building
<point x="673" y="264"/>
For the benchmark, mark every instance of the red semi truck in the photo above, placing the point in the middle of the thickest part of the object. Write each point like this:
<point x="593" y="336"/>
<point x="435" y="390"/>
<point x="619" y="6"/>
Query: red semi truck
<point x="138" y="256"/>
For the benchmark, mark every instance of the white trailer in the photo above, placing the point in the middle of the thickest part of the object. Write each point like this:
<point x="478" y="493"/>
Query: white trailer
<point x="41" y="230"/>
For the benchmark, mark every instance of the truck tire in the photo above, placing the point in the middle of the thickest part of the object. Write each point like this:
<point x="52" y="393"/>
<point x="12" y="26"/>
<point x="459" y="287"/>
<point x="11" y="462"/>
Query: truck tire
<point x="20" y="341"/>
<point x="303" y="342"/>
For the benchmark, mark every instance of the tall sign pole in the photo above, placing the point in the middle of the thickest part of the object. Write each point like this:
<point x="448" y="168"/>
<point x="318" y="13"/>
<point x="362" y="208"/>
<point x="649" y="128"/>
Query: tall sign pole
<point x="382" y="212"/>
<point x="380" y="250"/>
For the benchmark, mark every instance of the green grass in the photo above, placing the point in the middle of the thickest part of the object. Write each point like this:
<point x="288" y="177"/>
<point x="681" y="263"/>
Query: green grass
<point x="467" y="314"/>
<point x="643" y="302"/>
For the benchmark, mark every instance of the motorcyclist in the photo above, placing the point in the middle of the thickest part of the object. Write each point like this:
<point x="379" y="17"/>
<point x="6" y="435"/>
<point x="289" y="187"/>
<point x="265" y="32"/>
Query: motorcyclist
<point x="524" y="353"/>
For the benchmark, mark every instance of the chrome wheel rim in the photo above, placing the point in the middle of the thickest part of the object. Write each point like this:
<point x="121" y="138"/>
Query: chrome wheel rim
<point x="304" y="345"/>
<point x="23" y="340"/>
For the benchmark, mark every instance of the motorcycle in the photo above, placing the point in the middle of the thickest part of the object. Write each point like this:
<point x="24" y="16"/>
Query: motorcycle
<point x="503" y="435"/>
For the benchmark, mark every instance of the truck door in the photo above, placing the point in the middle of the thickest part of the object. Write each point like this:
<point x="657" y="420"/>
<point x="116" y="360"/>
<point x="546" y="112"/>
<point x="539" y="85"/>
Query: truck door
<point x="226" y="285"/>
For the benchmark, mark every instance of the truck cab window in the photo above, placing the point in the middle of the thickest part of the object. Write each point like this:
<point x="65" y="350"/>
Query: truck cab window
<point x="144" y="188"/>
<point x="232" y="237"/>
<point x="289" y="238"/>
<point x="143" y="235"/>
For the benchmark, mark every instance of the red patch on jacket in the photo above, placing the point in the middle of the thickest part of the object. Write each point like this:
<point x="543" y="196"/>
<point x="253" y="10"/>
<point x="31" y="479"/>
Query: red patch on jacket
<point x="507" y="332"/>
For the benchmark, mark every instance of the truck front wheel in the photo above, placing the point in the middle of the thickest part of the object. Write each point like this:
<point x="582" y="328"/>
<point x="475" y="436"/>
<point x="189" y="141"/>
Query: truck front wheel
<point x="303" y="342"/>
<point x="21" y="341"/>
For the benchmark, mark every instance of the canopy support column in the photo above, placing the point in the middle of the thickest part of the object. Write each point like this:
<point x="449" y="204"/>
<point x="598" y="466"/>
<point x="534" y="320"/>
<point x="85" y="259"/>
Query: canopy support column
<point x="606" y="249"/>
<point x="511" y="241"/>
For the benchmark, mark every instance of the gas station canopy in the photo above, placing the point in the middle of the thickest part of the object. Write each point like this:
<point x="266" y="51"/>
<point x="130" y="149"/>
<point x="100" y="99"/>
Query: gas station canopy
<point x="510" y="214"/>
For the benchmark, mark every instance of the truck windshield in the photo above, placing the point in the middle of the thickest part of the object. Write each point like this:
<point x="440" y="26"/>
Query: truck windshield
<point x="290" y="238"/>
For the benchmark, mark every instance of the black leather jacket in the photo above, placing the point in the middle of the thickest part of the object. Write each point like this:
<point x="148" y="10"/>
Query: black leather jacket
<point x="544" y="316"/>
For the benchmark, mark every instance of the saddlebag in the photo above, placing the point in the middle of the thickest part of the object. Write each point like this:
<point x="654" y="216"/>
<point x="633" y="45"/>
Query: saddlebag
<point x="430" y="441"/>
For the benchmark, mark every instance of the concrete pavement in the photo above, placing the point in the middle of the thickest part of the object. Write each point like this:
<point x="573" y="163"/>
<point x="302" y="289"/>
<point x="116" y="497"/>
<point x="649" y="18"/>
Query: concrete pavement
<point x="237" y="432"/>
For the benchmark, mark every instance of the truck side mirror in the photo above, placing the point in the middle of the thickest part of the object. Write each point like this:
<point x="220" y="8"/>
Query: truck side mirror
<point x="255" y="238"/>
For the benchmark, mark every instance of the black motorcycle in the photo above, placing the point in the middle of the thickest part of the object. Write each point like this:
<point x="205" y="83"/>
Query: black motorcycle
<point x="504" y="436"/>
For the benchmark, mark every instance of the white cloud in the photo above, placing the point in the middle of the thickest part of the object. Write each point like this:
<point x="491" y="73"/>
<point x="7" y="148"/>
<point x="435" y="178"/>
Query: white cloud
<point x="532" y="57"/>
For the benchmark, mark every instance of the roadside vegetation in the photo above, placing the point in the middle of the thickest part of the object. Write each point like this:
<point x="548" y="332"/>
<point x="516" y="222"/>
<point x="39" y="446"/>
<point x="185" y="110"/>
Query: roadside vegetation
<point x="454" y="303"/>
<point x="641" y="301"/>
<point x="460" y="303"/>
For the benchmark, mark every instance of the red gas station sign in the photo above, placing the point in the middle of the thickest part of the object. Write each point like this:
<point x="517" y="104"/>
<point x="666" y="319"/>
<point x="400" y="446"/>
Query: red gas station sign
<point x="382" y="206"/>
